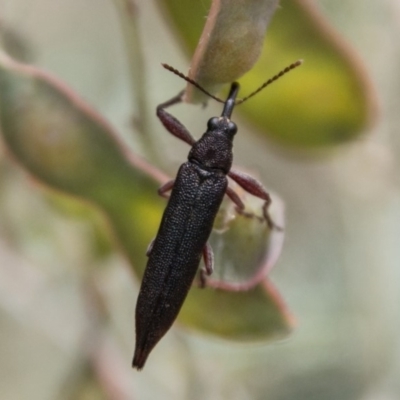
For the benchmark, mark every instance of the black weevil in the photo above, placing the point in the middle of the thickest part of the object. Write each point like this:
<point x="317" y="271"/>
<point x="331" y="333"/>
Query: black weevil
<point x="181" y="241"/>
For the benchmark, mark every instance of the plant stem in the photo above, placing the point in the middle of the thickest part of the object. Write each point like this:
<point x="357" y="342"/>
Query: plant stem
<point x="128" y="13"/>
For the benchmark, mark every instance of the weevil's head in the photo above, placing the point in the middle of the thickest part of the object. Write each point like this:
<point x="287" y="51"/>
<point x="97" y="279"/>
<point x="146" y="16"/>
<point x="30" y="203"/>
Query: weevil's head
<point x="214" y="149"/>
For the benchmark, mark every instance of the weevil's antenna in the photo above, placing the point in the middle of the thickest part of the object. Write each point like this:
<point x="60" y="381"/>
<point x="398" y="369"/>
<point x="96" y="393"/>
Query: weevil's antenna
<point x="271" y="80"/>
<point x="194" y="83"/>
<point x="239" y="101"/>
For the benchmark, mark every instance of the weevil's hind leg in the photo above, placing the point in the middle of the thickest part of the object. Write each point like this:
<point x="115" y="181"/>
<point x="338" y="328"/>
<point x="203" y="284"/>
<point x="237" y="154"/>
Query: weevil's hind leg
<point x="208" y="256"/>
<point x="255" y="188"/>
<point x="165" y="188"/>
<point x="207" y="270"/>
<point x="171" y="123"/>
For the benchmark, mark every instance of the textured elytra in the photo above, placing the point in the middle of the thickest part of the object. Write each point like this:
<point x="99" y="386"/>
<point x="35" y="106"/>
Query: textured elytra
<point x="176" y="253"/>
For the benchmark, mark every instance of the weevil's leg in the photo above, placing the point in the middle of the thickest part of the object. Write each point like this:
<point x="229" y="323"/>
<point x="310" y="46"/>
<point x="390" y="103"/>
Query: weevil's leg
<point x="238" y="201"/>
<point x="171" y="123"/>
<point x="208" y="269"/>
<point x="268" y="218"/>
<point x="255" y="188"/>
<point x="208" y="256"/>
<point x="165" y="188"/>
<point x="150" y="248"/>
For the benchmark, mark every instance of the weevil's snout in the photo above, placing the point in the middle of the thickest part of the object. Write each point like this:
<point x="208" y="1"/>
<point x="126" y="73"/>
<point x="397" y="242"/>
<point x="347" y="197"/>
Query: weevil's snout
<point x="230" y="101"/>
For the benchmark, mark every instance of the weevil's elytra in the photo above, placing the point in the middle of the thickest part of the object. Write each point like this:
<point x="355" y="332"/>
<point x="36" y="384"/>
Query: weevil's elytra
<point x="181" y="241"/>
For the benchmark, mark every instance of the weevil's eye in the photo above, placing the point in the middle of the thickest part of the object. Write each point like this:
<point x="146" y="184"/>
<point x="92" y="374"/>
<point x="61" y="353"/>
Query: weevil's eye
<point x="232" y="128"/>
<point x="213" y="123"/>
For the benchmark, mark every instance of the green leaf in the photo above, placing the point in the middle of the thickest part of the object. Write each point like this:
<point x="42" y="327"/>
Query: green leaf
<point x="258" y="314"/>
<point x="245" y="247"/>
<point x="230" y="44"/>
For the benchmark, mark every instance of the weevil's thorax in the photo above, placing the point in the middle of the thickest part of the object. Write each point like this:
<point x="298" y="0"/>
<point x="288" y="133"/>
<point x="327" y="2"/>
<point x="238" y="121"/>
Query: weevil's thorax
<point x="214" y="149"/>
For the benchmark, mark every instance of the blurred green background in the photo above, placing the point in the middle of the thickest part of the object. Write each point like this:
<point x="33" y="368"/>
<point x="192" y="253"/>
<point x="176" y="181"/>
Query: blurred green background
<point x="67" y="297"/>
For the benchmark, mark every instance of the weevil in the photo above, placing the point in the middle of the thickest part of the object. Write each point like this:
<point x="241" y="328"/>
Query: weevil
<point x="197" y="192"/>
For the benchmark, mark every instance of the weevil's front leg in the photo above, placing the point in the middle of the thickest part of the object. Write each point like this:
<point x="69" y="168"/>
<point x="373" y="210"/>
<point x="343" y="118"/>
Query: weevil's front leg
<point x="165" y="188"/>
<point x="208" y="269"/>
<point x="171" y="123"/>
<point x="255" y="188"/>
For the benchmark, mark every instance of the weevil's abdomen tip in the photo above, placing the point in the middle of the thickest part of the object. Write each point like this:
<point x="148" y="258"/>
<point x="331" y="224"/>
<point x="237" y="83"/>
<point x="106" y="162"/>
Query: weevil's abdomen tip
<point x="139" y="359"/>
